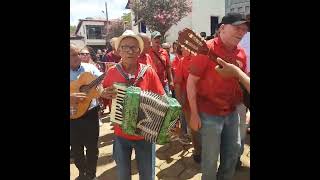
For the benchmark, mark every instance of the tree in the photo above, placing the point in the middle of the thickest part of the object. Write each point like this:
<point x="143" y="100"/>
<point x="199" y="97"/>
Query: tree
<point x="73" y="29"/>
<point x="126" y="20"/>
<point x="114" y="29"/>
<point x="160" y="15"/>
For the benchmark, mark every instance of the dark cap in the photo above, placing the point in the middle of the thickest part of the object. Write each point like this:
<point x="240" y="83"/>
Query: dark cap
<point x="233" y="19"/>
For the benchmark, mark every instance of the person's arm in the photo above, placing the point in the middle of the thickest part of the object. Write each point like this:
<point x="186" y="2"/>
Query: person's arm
<point x="195" y="122"/>
<point x="230" y="70"/>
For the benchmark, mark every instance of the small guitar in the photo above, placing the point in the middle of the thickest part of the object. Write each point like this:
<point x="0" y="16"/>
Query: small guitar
<point x="86" y="83"/>
<point x="197" y="45"/>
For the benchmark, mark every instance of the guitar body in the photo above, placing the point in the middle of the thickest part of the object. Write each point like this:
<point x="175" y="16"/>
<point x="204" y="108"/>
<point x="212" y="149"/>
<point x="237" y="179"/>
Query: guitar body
<point x="81" y="107"/>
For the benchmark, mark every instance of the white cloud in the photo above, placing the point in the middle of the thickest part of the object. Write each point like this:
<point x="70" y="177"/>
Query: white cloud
<point x="80" y="9"/>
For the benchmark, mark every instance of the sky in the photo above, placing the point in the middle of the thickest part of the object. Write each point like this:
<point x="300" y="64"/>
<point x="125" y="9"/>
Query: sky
<point x="80" y="9"/>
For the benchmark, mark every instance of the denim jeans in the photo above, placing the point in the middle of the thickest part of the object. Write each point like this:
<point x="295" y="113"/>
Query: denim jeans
<point x="145" y="156"/>
<point x="219" y="135"/>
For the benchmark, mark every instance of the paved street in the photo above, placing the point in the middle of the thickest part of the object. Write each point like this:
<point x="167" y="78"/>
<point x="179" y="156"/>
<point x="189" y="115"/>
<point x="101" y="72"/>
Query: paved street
<point x="174" y="161"/>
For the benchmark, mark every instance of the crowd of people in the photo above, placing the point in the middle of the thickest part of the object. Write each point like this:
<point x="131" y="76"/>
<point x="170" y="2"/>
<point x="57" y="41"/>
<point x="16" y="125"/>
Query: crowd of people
<point x="214" y="119"/>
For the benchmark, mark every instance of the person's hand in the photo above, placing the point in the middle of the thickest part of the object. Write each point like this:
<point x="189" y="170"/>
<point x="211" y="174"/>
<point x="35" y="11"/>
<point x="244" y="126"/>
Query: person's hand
<point x="226" y="69"/>
<point x="77" y="97"/>
<point x="109" y="92"/>
<point x="171" y="86"/>
<point x="195" y="122"/>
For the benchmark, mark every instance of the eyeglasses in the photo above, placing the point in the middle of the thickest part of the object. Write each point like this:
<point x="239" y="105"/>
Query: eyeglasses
<point x="132" y="48"/>
<point x="84" y="54"/>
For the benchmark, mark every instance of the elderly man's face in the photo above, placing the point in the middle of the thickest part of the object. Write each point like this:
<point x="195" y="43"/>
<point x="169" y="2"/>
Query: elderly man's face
<point x="75" y="59"/>
<point x="233" y="34"/>
<point x="146" y="42"/>
<point x="129" y="50"/>
<point x="156" y="42"/>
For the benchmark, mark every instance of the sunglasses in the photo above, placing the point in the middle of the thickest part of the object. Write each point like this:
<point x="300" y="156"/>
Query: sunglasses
<point x="84" y="54"/>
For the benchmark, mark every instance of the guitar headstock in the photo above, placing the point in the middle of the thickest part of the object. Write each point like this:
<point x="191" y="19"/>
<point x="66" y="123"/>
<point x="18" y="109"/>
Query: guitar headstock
<point x="192" y="42"/>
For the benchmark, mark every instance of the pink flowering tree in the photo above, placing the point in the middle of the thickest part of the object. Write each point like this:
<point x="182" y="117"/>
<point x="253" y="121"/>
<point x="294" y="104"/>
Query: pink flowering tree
<point x="160" y="15"/>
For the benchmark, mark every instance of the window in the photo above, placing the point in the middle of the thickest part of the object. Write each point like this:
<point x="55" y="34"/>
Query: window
<point x="240" y="9"/>
<point x="247" y="9"/>
<point x="94" y="31"/>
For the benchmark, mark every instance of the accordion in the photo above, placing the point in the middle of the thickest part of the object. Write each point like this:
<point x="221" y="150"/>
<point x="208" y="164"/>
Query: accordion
<point x="144" y="113"/>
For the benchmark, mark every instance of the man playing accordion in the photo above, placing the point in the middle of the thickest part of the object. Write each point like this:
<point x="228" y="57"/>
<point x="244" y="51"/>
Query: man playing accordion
<point x="129" y="46"/>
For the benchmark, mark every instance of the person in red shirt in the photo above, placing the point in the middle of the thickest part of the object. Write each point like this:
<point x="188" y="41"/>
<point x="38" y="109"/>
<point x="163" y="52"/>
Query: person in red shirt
<point x="180" y="82"/>
<point x="129" y="46"/>
<point x="160" y="59"/>
<point x="113" y="55"/>
<point x="213" y="100"/>
<point x="144" y="57"/>
<point x="176" y="60"/>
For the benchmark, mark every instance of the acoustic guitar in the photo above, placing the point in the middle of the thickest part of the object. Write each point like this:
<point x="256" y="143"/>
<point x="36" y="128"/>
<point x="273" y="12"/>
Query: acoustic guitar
<point x="197" y="45"/>
<point x="86" y="83"/>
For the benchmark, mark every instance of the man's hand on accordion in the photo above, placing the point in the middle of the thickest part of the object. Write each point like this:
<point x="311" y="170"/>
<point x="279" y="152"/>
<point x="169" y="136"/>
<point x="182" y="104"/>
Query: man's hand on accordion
<point x="109" y="92"/>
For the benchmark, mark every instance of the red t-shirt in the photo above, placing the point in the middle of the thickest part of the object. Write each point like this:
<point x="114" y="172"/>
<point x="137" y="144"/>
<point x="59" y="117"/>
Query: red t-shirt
<point x="217" y="95"/>
<point x="181" y="77"/>
<point x="145" y="59"/>
<point x="149" y="81"/>
<point x="112" y="57"/>
<point x="175" y="64"/>
<point x="161" y="67"/>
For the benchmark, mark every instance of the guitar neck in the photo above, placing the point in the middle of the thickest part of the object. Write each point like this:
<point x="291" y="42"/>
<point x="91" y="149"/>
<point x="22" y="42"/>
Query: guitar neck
<point x="94" y="83"/>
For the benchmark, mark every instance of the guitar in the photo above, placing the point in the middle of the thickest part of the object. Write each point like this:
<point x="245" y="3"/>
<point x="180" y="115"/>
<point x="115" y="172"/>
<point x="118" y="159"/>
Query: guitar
<point x="197" y="45"/>
<point x="86" y="83"/>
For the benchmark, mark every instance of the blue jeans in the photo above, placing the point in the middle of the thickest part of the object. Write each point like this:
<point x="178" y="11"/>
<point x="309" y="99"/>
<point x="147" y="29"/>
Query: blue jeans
<point x="219" y="135"/>
<point x="145" y="156"/>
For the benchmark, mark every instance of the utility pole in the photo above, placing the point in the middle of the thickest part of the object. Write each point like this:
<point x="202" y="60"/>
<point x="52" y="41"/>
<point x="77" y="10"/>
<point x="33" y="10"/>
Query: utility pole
<point x="106" y="10"/>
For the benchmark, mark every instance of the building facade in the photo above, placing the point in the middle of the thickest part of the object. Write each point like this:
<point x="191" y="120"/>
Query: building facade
<point x="239" y="6"/>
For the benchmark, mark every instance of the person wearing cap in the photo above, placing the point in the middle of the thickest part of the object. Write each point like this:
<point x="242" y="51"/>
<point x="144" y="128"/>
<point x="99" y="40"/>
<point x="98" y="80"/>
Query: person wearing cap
<point x="129" y="46"/>
<point x="161" y="60"/>
<point x="84" y="131"/>
<point x="213" y="99"/>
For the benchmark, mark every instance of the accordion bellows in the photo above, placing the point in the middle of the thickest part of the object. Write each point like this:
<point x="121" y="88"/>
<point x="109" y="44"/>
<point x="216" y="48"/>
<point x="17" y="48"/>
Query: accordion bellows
<point x="149" y="115"/>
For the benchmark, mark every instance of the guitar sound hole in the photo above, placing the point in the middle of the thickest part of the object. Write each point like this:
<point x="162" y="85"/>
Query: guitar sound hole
<point x="83" y="88"/>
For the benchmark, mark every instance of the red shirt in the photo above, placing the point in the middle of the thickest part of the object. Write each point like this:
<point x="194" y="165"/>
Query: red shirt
<point x="112" y="57"/>
<point x="145" y="59"/>
<point x="161" y="67"/>
<point x="149" y="81"/>
<point x="181" y="77"/>
<point x="175" y="64"/>
<point x="217" y="95"/>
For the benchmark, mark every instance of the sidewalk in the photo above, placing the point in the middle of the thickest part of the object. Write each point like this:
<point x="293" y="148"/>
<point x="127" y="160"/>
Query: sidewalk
<point x="173" y="161"/>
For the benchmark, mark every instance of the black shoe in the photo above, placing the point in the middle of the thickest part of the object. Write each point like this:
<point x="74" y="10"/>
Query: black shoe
<point x="197" y="158"/>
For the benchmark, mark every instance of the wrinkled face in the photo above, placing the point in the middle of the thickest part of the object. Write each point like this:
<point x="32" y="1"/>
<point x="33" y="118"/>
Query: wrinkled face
<point x="156" y="42"/>
<point x="85" y="55"/>
<point x="233" y="34"/>
<point x="75" y="59"/>
<point x="129" y="50"/>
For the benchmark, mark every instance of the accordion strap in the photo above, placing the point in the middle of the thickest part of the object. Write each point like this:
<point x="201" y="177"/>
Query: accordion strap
<point x="125" y="75"/>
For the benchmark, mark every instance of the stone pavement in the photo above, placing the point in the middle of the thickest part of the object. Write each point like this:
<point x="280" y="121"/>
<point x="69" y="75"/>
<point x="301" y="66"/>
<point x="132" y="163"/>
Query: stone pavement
<point x="173" y="161"/>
